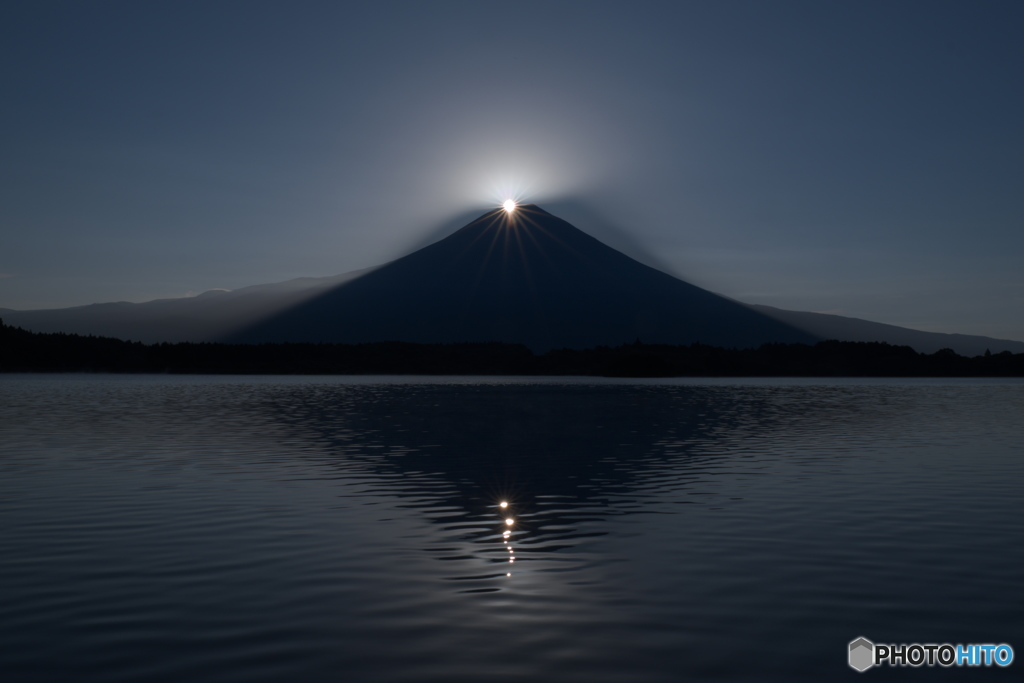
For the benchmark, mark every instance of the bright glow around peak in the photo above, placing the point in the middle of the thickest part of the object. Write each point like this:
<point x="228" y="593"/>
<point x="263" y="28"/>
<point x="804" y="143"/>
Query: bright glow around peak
<point x="503" y="503"/>
<point x="510" y="521"/>
<point x="509" y="206"/>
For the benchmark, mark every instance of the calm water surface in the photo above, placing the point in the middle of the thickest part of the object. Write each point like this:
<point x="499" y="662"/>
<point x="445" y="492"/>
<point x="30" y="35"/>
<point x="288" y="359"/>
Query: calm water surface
<point x="347" y="529"/>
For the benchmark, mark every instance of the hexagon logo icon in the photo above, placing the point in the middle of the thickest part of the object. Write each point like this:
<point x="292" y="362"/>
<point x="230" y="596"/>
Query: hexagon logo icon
<point x="862" y="654"/>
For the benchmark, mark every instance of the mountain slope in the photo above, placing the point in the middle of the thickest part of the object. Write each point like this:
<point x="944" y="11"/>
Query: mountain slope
<point x="207" y="317"/>
<point x="854" y="329"/>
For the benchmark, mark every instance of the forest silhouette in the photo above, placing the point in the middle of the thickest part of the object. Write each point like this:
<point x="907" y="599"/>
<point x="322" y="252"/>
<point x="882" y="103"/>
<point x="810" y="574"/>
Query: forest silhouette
<point x="24" y="351"/>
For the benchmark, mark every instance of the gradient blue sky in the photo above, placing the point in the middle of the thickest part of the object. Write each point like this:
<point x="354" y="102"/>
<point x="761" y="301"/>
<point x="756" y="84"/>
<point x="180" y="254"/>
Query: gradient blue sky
<point x="863" y="158"/>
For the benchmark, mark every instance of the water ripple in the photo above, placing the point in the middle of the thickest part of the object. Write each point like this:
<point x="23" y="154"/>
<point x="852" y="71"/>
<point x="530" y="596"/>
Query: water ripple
<point x="215" y="529"/>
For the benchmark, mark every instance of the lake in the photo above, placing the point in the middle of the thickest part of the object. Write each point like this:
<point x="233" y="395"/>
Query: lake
<point x="215" y="528"/>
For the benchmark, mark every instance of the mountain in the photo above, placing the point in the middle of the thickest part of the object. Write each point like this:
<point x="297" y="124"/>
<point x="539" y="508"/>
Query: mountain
<point x="208" y="317"/>
<point x="840" y="327"/>
<point x="526" y="277"/>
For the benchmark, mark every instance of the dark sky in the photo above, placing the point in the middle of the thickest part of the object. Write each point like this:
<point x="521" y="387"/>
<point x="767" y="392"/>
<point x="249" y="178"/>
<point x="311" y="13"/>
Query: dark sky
<point x="864" y="158"/>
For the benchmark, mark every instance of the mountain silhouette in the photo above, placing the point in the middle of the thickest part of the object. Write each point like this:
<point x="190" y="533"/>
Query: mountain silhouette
<point x="528" y="277"/>
<point x="206" y="317"/>
<point x="524" y="277"/>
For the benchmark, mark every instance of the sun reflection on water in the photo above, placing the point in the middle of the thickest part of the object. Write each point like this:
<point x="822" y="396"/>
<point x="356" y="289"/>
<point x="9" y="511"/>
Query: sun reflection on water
<point x="507" y="533"/>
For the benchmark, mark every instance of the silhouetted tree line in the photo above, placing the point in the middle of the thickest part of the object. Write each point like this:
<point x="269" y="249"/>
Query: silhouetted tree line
<point x="23" y="351"/>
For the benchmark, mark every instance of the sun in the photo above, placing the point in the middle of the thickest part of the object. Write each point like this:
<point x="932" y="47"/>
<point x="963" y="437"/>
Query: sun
<point x="509" y="205"/>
